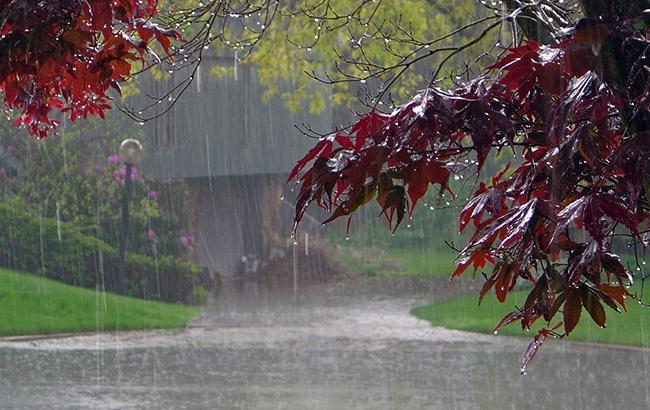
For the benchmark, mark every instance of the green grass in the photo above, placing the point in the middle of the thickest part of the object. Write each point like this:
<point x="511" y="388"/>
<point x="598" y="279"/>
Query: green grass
<point x="397" y="262"/>
<point x="34" y="305"/>
<point x="463" y="313"/>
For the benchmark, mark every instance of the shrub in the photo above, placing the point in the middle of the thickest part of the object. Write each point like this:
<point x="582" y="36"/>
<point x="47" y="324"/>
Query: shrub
<point x="60" y="251"/>
<point x="200" y="296"/>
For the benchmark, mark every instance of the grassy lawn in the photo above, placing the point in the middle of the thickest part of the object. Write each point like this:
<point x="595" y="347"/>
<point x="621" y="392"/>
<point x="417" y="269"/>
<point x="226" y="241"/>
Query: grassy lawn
<point x="34" y="305"/>
<point x="397" y="262"/>
<point x="463" y="313"/>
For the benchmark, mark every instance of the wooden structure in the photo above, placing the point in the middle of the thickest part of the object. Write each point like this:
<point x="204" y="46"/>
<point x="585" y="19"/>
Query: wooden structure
<point x="233" y="151"/>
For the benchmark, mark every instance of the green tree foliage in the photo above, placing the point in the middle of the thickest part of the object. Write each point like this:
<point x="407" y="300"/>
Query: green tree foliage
<point x="314" y="39"/>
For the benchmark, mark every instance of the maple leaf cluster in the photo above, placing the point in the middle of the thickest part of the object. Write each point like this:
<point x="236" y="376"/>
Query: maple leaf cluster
<point x="580" y="175"/>
<point x="64" y="55"/>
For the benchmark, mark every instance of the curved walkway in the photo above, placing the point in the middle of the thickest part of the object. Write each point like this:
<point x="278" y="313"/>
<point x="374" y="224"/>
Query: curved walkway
<point x="351" y="344"/>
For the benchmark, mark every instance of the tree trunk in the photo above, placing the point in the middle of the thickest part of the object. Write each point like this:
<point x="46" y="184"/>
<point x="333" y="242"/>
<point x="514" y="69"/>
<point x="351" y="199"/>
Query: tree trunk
<point x="531" y="26"/>
<point x="271" y="187"/>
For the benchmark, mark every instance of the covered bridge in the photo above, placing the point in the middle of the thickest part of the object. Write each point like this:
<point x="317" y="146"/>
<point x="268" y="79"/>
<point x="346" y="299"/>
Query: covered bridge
<point x="233" y="151"/>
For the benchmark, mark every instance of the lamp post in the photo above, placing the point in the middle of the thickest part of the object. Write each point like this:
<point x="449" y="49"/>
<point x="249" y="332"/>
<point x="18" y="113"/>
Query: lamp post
<point x="129" y="153"/>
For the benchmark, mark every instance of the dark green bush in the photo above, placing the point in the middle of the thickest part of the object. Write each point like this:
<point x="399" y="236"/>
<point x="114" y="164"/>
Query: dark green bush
<point x="200" y="296"/>
<point x="61" y="252"/>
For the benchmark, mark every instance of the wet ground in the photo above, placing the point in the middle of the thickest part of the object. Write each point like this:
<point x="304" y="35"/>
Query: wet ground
<point x="344" y="345"/>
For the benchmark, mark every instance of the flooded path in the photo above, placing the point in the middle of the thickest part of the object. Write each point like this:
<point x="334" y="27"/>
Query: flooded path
<point x="347" y="345"/>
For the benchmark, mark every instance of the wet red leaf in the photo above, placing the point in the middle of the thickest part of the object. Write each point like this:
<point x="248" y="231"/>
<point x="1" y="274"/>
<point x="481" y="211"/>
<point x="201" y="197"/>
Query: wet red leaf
<point x="322" y="149"/>
<point x="531" y="350"/>
<point x="593" y="306"/>
<point x="617" y="293"/>
<point x="572" y="309"/>
<point x="65" y="55"/>
<point x="507" y="319"/>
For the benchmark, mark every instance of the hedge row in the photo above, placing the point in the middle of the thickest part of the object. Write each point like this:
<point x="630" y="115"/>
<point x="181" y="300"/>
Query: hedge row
<point x="61" y="252"/>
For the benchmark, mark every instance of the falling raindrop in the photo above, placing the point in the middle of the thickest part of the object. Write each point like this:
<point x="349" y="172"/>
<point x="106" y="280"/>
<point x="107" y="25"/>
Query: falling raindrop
<point x="58" y="221"/>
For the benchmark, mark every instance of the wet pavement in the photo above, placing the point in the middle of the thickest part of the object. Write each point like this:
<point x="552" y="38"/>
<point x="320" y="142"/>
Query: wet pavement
<point x="345" y="345"/>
